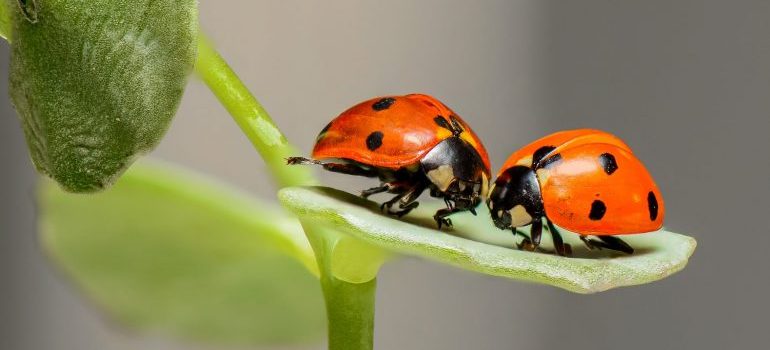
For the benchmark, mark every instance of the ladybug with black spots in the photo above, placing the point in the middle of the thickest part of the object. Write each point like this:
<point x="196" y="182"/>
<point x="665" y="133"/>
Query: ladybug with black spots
<point x="412" y="143"/>
<point x="586" y="181"/>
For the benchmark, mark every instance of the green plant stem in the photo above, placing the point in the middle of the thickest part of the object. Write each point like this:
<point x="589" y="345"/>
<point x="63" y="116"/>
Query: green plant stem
<point x="349" y="306"/>
<point x="250" y="116"/>
<point x="350" y="311"/>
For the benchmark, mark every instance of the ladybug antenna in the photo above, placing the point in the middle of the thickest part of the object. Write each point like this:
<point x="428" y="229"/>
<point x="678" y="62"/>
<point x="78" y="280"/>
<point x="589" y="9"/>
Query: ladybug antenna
<point x="455" y="126"/>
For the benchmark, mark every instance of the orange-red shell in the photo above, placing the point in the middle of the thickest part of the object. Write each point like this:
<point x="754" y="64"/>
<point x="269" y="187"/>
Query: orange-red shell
<point x="407" y="132"/>
<point x="580" y="179"/>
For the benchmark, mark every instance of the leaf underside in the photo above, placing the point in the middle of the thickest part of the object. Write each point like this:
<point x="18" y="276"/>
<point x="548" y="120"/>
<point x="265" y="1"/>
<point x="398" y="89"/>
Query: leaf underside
<point x="475" y="244"/>
<point x="96" y="83"/>
<point x="166" y="253"/>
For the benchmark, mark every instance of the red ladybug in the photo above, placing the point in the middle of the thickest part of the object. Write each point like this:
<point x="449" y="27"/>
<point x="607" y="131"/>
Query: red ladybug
<point x="412" y="143"/>
<point x="586" y="181"/>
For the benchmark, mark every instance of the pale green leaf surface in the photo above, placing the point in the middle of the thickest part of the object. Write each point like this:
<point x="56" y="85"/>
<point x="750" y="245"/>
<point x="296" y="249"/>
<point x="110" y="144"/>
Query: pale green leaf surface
<point x="169" y="253"/>
<point x="475" y="244"/>
<point x="96" y="83"/>
<point x="5" y="19"/>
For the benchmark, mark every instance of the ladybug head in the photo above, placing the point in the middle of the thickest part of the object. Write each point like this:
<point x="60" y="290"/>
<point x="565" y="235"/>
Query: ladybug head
<point x="456" y="172"/>
<point x="515" y="199"/>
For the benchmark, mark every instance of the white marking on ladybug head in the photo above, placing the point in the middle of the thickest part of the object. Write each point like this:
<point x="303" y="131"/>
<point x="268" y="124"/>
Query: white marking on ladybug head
<point x="519" y="216"/>
<point x="442" y="177"/>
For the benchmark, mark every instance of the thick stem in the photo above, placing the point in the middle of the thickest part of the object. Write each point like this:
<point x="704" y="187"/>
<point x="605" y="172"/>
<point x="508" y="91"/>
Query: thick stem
<point x="349" y="306"/>
<point x="252" y="118"/>
<point x="350" y="311"/>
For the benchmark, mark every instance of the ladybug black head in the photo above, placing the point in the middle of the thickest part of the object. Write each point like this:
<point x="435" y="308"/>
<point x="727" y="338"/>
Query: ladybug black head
<point x="457" y="172"/>
<point x="515" y="199"/>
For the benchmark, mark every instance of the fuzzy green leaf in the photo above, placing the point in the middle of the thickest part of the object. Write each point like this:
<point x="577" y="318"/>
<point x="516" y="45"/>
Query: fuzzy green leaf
<point x="475" y="244"/>
<point x="96" y="83"/>
<point x="165" y="252"/>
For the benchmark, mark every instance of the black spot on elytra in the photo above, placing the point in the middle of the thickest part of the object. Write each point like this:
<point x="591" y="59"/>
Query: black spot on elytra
<point x="597" y="210"/>
<point x="652" y="205"/>
<point x="374" y="140"/>
<point x="608" y="163"/>
<point x="442" y="122"/>
<point x="383" y="104"/>
<point x="540" y="153"/>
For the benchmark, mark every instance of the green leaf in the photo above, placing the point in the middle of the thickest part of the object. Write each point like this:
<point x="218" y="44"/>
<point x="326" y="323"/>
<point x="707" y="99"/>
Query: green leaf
<point x="166" y="252"/>
<point x="96" y="83"/>
<point x="475" y="244"/>
<point x="5" y="19"/>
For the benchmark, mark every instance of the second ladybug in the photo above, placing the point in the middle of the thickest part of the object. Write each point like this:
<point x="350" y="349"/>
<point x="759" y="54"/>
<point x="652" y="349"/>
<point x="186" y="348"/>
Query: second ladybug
<point x="586" y="181"/>
<point x="412" y="143"/>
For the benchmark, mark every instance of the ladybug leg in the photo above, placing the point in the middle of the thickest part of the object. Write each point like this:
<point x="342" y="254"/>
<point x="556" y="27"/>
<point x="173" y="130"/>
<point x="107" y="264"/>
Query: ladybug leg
<point x="441" y="217"/>
<point x="448" y="203"/>
<point x="615" y="243"/>
<point x="441" y="214"/>
<point x="385" y="207"/>
<point x="607" y="242"/>
<point x="466" y="203"/>
<point x="409" y="200"/>
<point x="558" y="243"/>
<point x="407" y="208"/>
<point x="374" y="190"/>
<point x="526" y="242"/>
<point x="406" y="201"/>
<point x="536" y="232"/>
<point x="591" y="243"/>
<point x="531" y="242"/>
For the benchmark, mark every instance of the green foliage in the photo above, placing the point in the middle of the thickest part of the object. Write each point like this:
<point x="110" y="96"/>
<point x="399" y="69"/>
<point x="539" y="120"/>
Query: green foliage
<point x="163" y="251"/>
<point x="96" y="83"/>
<point x="5" y="19"/>
<point x="475" y="244"/>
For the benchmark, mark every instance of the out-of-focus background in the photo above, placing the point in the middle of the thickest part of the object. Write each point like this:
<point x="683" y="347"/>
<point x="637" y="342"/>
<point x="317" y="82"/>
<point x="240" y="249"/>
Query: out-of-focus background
<point x="685" y="83"/>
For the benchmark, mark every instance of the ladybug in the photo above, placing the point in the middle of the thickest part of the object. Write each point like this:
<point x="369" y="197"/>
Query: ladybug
<point x="586" y="181"/>
<point x="412" y="143"/>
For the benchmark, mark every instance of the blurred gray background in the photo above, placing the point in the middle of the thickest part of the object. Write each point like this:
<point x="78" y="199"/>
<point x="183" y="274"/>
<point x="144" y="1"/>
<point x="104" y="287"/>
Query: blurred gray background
<point x="685" y="83"/>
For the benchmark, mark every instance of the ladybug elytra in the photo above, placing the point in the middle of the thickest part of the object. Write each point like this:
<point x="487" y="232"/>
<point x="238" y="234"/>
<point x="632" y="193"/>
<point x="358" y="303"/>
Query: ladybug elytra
<point x="586" y="181"/>
<point x="412" y="143"/>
